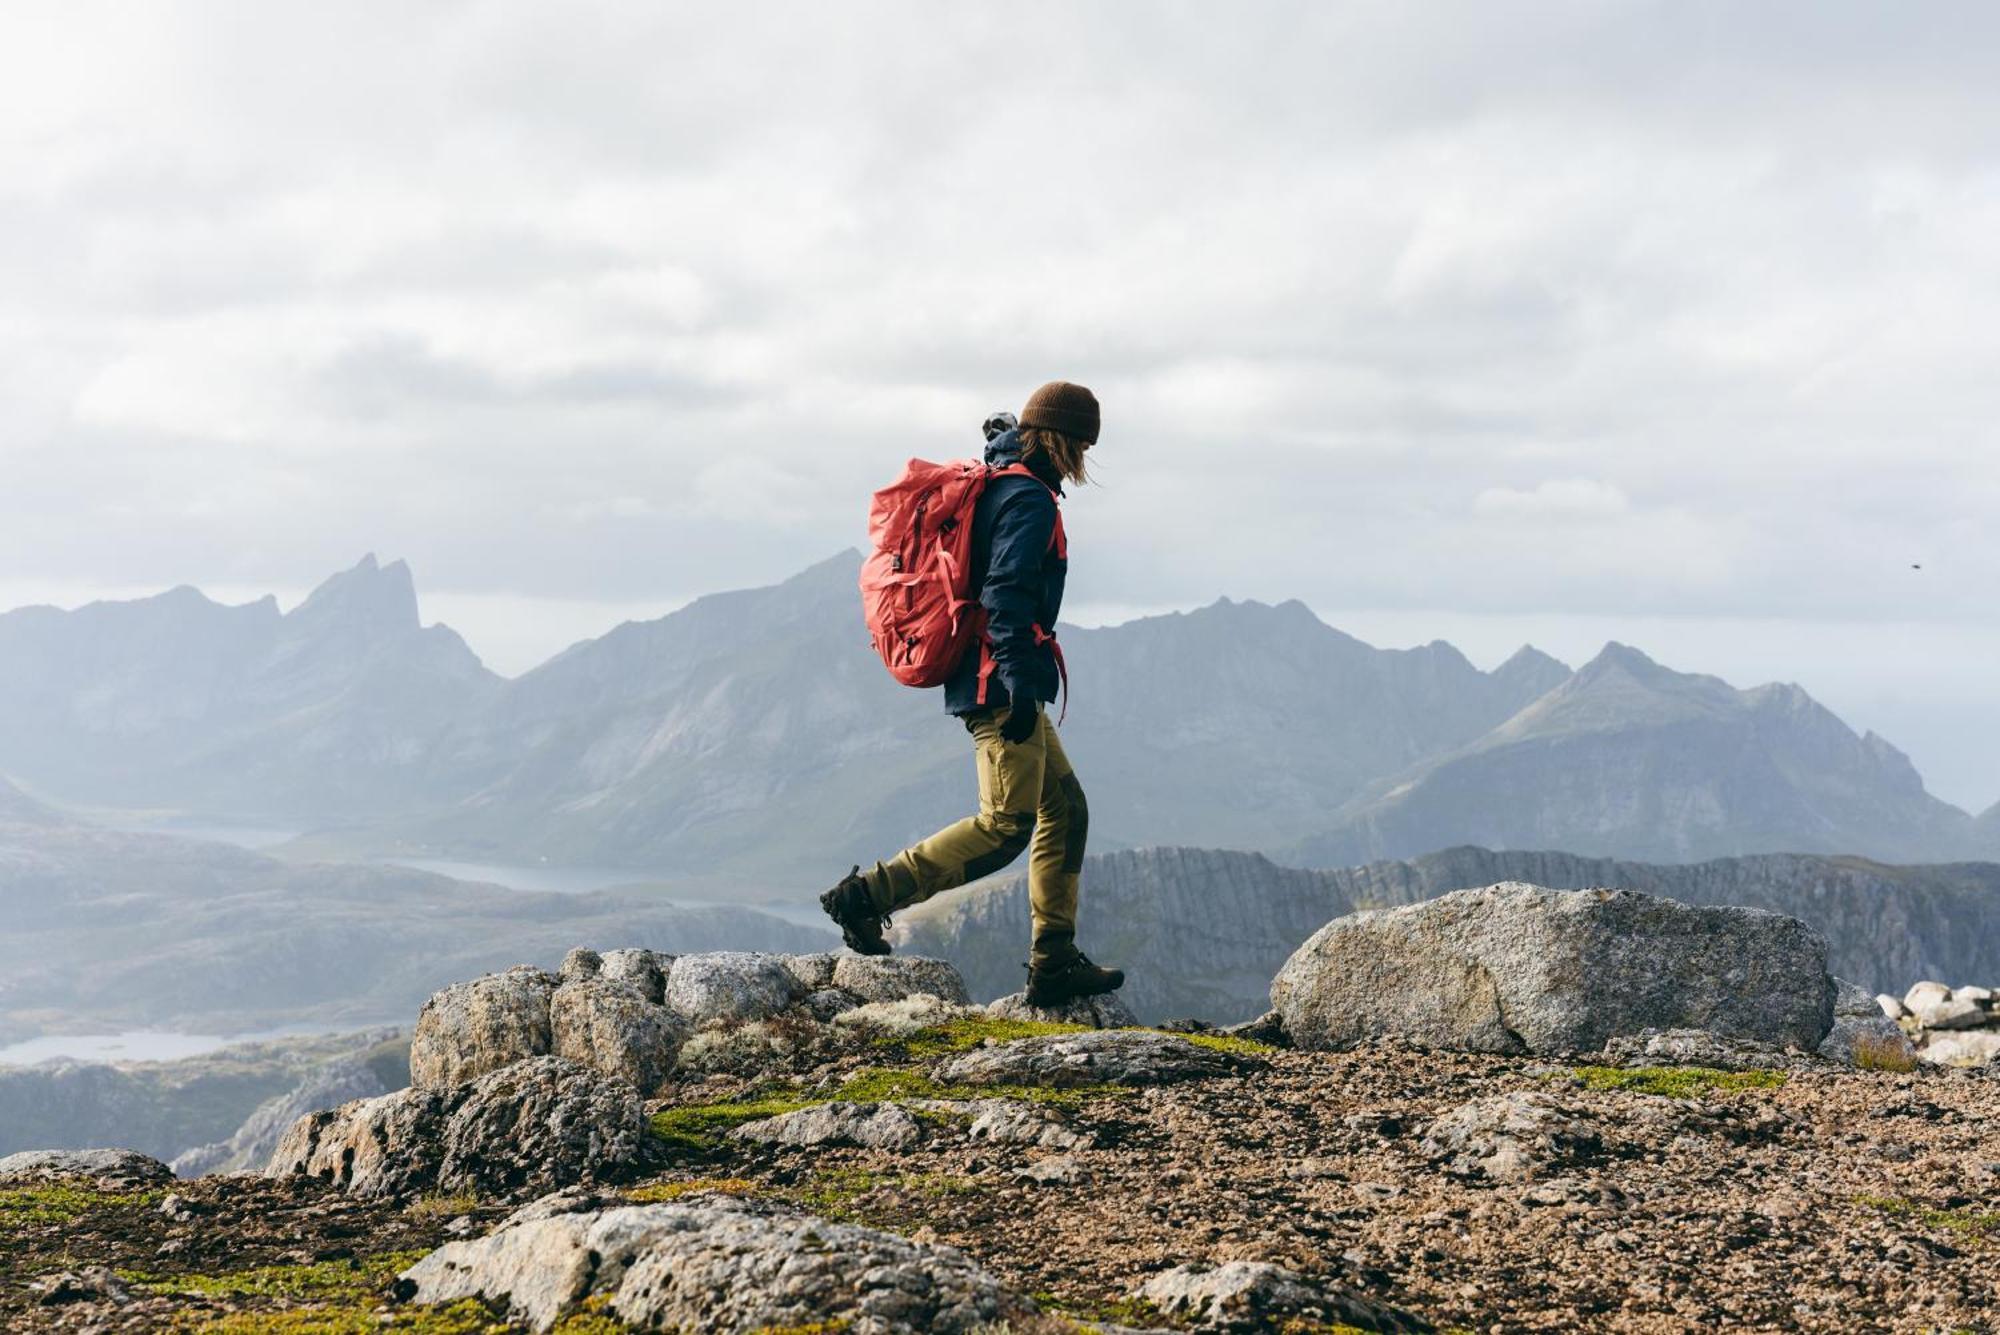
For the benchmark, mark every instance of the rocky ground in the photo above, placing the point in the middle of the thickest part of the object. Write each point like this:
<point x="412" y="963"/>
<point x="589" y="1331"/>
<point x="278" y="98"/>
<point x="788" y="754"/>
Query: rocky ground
<point x="1402" y="1188"/>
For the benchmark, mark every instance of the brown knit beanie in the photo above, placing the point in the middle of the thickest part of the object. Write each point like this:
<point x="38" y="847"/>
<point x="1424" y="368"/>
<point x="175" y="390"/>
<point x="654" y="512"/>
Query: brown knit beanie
<point x="1061" y="406"/>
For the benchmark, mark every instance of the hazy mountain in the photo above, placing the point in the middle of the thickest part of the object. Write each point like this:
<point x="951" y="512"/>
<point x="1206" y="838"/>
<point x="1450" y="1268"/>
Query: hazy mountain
<point x="755" y="734"/>
<point x="752" y="740"/>
<point x="1632" y="759"/>
<point x="1201" y="932"/>
<point x="180" y="702"/>
<point x="111" y="931"/>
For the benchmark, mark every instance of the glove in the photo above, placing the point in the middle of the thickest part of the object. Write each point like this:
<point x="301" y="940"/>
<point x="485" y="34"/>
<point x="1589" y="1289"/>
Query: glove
<point x="1021" y="719"/>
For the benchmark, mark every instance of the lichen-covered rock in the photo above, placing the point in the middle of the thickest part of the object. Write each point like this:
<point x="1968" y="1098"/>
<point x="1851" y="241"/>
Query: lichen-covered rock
<point x="874" y="1126"/>
<point x="391" y="1145"/>
<point x="1104" y="1012"/>
<point x="1516" y="968"/>
<point x="471" y="1028"/>
<point x="721" y="1265"/>
<point x="644" y="971"/>
<point x="110" y="1166"/>
<point x="1100" y="1057"/>
<point x="814" y="972"/>
<point x="725" y="985"/>
<point x="1007" y="1122"/>
<point x="1256" y="1295"/>
<point x="1863" y="1033"/>
<point x="829" y="1002"/>
<point x="900" y="1019"/>
<point x="1508" y="1137"/>
<point x="540" y="1124"/>
<point x="1927" y="993"/>
<point x="580" y="963"/>
<point x="893" y="977"/>
<point x="613" y="1029"/>
<point x="537" y="1124"/>
<point x="786" y="1041"/>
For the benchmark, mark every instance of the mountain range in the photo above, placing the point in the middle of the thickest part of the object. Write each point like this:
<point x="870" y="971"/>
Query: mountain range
<point x="751" y="739"/>
<point x="1201" y="932"/>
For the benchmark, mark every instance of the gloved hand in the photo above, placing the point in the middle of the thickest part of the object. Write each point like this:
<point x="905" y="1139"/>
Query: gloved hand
<point x="1022" y="718"/>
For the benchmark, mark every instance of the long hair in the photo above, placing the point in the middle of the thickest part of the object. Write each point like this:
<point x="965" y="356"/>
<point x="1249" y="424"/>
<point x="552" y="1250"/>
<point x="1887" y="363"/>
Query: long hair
<point x="1065" y="452"/>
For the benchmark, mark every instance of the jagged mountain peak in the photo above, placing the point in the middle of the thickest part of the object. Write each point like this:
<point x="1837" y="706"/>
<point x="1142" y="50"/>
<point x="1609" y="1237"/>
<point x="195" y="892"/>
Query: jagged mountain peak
<point x="367" y="594"/>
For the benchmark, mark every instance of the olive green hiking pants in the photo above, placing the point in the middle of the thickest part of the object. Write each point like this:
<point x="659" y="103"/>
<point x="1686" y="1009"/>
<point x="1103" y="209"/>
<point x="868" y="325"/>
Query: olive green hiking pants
<point x="1028" y="799"/>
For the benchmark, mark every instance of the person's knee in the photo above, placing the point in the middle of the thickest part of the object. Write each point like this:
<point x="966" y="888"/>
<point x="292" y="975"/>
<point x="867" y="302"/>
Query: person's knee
<point x="1010" y="832"/>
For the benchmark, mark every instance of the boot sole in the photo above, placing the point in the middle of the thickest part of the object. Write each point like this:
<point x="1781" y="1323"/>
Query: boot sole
<point x="1044" y="1002"/>
<point x="848" y="936"/>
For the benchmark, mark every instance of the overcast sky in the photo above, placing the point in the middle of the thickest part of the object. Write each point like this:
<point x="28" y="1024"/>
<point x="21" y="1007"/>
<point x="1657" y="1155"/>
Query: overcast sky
<point x="1671" y="323"/>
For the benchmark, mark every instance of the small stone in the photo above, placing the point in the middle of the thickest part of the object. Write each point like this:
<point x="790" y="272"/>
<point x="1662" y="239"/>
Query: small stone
<point x="1256" y="1295"/>
<point x="90" y="1283"/>
<point x="112" y="1167"/>
<point x="1926" y="993"/>
<point x="830" y="1002"/>
<point x="1951" y="1013"/>
<point x="1002" y="1121"/>
<point x="1062" y="1170"/>
<point x="1892" y="1006"/>
<point x="580" y="963"/>
<point x="730" y="985"/>
<point x="814" y="972"/>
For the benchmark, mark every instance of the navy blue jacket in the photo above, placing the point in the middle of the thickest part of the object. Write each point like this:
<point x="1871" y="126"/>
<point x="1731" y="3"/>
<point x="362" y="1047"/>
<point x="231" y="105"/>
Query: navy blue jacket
<point x="1020" y="580"/>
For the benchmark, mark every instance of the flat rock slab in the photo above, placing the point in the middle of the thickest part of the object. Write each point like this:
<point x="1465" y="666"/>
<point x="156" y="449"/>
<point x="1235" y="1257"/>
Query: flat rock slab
<point x="1099" y="1057"/>
<point x="1105" y="1012"/>
<point x="118" y="1167"/>
<point x="1259" y="1296"/>
<point x="1510" y="1137"/>
<point x="717" y="1265"/>
<point x="874" y="1126"/>
<point x="533" y="1125"/>
<point x="1517" y="968"/>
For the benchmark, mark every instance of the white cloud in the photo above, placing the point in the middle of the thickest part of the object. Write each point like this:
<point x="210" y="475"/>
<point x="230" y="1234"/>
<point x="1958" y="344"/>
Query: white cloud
<point x="492" y="283"/>
<point x="1579" y="497"/>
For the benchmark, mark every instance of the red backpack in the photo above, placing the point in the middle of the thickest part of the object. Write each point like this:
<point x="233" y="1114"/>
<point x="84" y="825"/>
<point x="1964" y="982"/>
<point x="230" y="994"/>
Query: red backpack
<point x="916" y="585"/>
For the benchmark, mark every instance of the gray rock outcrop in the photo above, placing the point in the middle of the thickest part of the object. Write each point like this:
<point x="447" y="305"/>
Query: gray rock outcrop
<point x="613" y="1029"/>
<point x="875" y="1126"/>
<point x="893" y="977"/>
<point x="1517" y="968"/>
<point x="721" y="1265"/>
<point x="338" y="1082"/>
<point x="725" y="985"/>
<point x="1863" y="1034"/>
<point x="471" y="1028"/>
<point x="537" y="1124"/>
<point x="110" y="1166"/>
<point x="1097" y="1057"/>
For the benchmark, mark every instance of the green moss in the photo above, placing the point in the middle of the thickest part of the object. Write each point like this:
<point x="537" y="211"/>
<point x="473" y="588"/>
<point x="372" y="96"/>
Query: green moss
<point x="594" y="1319"/>
<point x="816" y="1328"/>
<point x="654" y="1193"/>
<point x="964" y="1035"/>
<point x="1085" y="1313"/>
<point x="440" y="1205"/>
<point x="1976" y="1224"/>
<point x="467" y="1317"/>
<point x="700" y="1126"/>
<point x="1676" y="1082"/>
<point x="59" y="1202"/>
<point x="315" y="1281"/>
<point x="1239" y="1047"/>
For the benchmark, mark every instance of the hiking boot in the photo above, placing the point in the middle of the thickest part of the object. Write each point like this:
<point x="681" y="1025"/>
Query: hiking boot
<point x="853" y="906"/>
<point x="1052" y="984"/>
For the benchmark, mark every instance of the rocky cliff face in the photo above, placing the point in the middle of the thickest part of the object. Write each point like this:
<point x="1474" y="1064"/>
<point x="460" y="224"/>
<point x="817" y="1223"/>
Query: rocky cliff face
<point x="1632" y="759"/>
<point x="1201" y="932"/>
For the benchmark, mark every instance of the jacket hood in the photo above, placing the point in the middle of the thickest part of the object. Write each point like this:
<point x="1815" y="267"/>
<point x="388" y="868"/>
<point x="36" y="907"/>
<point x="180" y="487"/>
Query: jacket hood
<point x="1005" y="449"/>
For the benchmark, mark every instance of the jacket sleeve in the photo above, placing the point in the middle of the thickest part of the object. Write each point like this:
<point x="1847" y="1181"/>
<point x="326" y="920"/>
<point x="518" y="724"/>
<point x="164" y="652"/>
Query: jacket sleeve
<point x="1024" y="524"/>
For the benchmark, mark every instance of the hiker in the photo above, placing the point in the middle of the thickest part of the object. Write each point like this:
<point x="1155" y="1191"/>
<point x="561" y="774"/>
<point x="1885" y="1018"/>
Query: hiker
<point x="1029" y="797"/>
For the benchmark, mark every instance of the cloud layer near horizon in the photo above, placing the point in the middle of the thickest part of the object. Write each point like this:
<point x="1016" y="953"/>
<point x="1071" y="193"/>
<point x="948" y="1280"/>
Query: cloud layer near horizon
<point x="1676" y="312"/>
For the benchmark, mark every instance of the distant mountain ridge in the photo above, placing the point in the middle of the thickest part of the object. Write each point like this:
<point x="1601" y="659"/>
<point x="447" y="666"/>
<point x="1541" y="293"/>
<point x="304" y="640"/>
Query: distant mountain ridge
<point x="177" y="701"/>
<point x="1632" y="759"/>
<point x="1201" y="932"/>
<point x="752" y="738"/>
